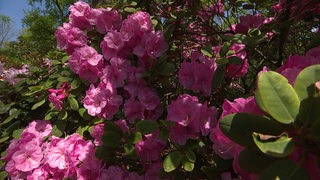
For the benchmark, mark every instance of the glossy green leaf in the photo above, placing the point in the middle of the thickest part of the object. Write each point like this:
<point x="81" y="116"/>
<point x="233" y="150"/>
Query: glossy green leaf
<point x="3" y="174"/>
<point x="309" y="111"/>
<point x="315" y="130"/>
<point x="235" y="60"/>
<point x="73" y="103"/>
<point x="110" y="126"/>
<point x="63" y="115"/>
<point x="277" y="97"/>
<point x="254" y="161"/>
<point x="16" y="133"/>
<point x="206" y="52"/>
<point x="129" y="149"/>
<point x="13" y="114"/>
<point x="75" y="84"/>
<point x="239" y="127"/>
<point x="111" y="139"/>
<point x="147" y="127"/>
<point x="172" y="161"/>
<point x="306" y="79"/>
<point x="186" y="164"/>
<point x="134" y="137"/>
<point x="3" y="139"/>
<point x="190" y="155"/>
<point x="280" y="147"/>
<point x="218" y="77"/>
<point x="105" y="153"/>
<point x="58" y="128"/>
<point x="284" y="170"/>
<point x="38" y="104"/>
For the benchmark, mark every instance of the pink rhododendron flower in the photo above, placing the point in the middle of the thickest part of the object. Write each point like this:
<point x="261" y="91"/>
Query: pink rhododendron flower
<point x="249" y="21"/>
<point x="112" y="44"/>
<point x="108" y="20"/>
<point x="69" y="38"/>
<point x="190" y="118"/>
<point x="150" y="147"/>
<point x="222" y="145"/>
<point x="296" y="63"/>
<point x="133" y="109"/>
<point x="57" y="96"/>
<point x="87" y="63"/>
<point x="102" y="101"/>
<point x="10" y="75"/>
<point x="79" y="15"/>
<point x="116" y="72"/>
<point x="28" y="157"/>
<point x="197" y="74"/>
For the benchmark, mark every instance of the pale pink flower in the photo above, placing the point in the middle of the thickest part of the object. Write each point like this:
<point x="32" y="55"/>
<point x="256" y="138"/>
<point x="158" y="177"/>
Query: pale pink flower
<point x="79" y="15"/>
<point x="108" y="20"/>
<point x="102" y="101"/>
<point x="28" y="157"/>
<point x="87" y="63"/>
<point x="69" y="38"/>
<point x="112" y="45"/>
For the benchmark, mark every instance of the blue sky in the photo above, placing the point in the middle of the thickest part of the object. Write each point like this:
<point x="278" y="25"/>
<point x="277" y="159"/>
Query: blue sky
<point x="15" y="10"/>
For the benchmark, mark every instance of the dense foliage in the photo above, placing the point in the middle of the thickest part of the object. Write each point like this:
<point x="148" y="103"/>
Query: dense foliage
<point x="184" y="89"/>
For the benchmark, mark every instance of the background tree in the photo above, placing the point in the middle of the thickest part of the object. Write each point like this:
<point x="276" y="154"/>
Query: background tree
<point x="6" y="30"/>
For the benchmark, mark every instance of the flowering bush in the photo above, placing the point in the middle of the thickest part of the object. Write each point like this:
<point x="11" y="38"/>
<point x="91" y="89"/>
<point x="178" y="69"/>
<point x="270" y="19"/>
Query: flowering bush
<point x="172" y="89"/>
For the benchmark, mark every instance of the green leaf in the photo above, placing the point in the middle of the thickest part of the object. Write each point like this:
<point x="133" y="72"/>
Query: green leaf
<point x="306" y="79"/>
<point x="3" y="174"/>
<point x="222" y="60"/>
<point x="3" y="139"/>
<point x="58" y="128"/>
<point x="187" y="165"/>
<point x="13" y="114"/>
<point x="63" y="115"/>
<point x="129" y="9"/>
<point x="147" y="126"/>
<point x="110" y="126"/>
<point x="218" y="77"/>
<point x="235" y="60"/>
<point x="316" y="130"/>
<point x="38" y="104"/>
<point x="129" y="149"/>
<point x="239" y="127"/>
<point x="254" y="161"/>
<point x="281" y="147"/>
<point x="134" y="137"/>
<point x="190" y="155"/>
<point x="284" y="170"/>
<point x="164" y="134"/>
<point x="75" y="84"/>
<point x="111" y="139"/>
<point x="73" y="103"/>
<point x="16" y="133"/>
<point x="172" y="161"/>
<point x="224" y="49"/>
<point x="5" y="108"/>
<point x="309" y="111"/>
<point x="105" y="153"/>
<point x="277" y="97"/>
<point x="206" y="52"/>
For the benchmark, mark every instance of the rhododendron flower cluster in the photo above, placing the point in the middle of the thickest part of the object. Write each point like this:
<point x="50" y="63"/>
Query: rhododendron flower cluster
<point x="191" y="118"/>
<point x="57" y="96"/>
<point x="222" y="145"/>
<point x="39" y="155"/>
<point x="123" y="39"/>
<point x="10" y="75"/>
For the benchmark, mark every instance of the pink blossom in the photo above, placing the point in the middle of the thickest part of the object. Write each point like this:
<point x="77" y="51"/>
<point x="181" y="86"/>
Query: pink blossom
<point x="150" y="147"/>
<point x="108" y="20"/>
<point x="133" y="109"/>
<point x="79" y="13"/>
<point x="28" y="157"/>
<point x="102" y="101"/>
<point x="112" y="44"/>
<point x="39" y="128"/>
<point x="10" y="75"/>
<point x="116" y="72"/>
<point x="190" y="118"/>
<point x="249" y="21"/>
<point x="69" y="38"/>
<point x="97" y="132"/>
<point x="148" y="98"/>
<point x="57" y="96"/>
<point x="196" y="76"/>
<point x="296" y="63"/>
<point x="86" y="62"/>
